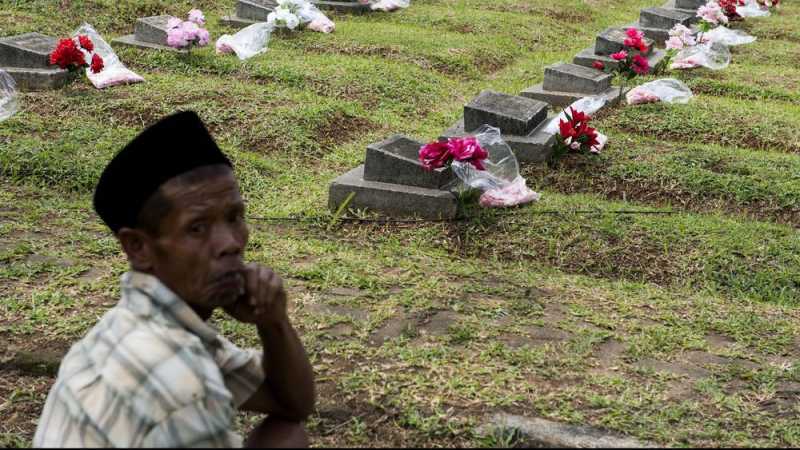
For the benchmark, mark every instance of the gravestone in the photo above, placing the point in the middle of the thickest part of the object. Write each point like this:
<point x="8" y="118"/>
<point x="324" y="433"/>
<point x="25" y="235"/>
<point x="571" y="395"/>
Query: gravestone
<point x="26" y="57"/>
<point x="249" y="12"/>
<point x="393" y="182"/>
<point x="656" y="22"/>
<point x="689" y="4"/>
<point x="565" y="83"/>
<point x="520" y="120"/>
<point x="150" y="33"/>
<point x="611" y="41"/>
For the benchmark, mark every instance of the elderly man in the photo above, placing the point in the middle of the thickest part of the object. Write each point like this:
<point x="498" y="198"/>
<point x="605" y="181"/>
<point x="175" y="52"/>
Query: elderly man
<point x="152" y="372"/>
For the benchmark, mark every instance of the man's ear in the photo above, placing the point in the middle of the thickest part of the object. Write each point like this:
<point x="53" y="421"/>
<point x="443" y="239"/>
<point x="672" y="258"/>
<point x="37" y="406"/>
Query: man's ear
<point x="138" y="246"/>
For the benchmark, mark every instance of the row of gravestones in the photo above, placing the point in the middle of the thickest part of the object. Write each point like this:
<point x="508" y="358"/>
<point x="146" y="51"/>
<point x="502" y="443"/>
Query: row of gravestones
<point x="26" y="57"/>
<point x="392" y="181"/>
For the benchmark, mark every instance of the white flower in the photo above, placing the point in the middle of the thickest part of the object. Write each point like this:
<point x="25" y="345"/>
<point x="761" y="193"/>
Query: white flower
<point x="282" y="17"/>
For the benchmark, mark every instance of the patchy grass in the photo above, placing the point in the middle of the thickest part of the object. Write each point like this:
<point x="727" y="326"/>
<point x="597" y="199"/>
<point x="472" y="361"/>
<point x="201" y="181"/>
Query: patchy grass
<point x="679" y="327"/>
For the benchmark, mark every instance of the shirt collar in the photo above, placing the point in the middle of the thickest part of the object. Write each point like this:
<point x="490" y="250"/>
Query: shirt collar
<point x="173" y="305"/>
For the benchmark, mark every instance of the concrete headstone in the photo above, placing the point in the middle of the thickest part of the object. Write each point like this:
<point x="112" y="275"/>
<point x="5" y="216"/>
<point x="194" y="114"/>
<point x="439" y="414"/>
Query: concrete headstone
<point x="663" y="18"/>
<point x="612" y="40"/>
<point x="575" y="78"/>
<point x="510" y="113"/>
<point x="149" y="32"/>
<point x="26" y="57"/>
<point x="396" y="160"/>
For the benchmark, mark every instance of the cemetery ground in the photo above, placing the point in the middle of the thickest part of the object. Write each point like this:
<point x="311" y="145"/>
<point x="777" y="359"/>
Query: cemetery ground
<point x="679" y="326"/>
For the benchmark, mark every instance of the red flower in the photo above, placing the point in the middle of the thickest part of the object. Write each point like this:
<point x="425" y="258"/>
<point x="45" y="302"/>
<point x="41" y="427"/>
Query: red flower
<point x="86" y="43"/>
<point x="620" y="55"/>
<point x="434" y="155"/>
<point x="598" y="65"/>
<point x="97" y="63"/>
<point x="640" y="65"/>
<point x="67" y="55"/>
<point x="468" y="150"/>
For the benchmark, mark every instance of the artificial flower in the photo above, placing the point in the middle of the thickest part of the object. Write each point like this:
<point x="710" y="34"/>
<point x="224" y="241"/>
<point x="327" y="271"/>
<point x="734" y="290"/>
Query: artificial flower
<point x="674" y="43"/>
<point x="468" y="150"/>
<point x="67" y="55"/>
<point x="97" y="63"/>
<point x="599" y="65"/>
<point x="620" y="55"/>
<point x="197" y="16"/>
<point x="640" y="65"/>
<point x="434" y="155"/>
<point x="86" y="43"/>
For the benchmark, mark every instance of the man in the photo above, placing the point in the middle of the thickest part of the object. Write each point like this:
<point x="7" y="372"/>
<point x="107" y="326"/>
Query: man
<point x="152" y="372"/>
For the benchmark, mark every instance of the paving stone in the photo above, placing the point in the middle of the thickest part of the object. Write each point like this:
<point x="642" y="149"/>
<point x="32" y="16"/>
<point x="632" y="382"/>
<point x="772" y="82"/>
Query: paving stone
<point x="587" y="57"/>
<point x="536" y="432"/>
<point x="150" y="33"/>
<point x="396" y="160"/>
<point x="391" y="199"/>
<point x="663" y="18"/>
<point x="533" y="148"/>
<point x="611" y="40"/>
<point x="568" y="77"/>
<point x="512" y="114"/>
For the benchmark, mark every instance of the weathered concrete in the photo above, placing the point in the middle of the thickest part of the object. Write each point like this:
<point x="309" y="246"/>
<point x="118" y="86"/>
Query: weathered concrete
<point x="689" y="4"/>
<point x="26" y="58"/>
<point x="255" y="10"/>
<point x="510" y="113"/>
<point x="663" y="18"/>
<point x="587" y="57"/>
<point x="537" y="432"/>
<point x="351" y="6"/>
<point x="396" y="160"/>
<point x="394" y="200"/>
<point x="130" y="40"/>
<point x="566" y="77"/>
<point x="560" y="99"/>
<point x="611" y="40"/>
<point x="149" y="33"/>
<point x="532" y="148"/>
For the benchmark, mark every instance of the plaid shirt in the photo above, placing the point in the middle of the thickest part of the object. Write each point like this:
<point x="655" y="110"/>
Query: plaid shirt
<point x="151" y="373"/>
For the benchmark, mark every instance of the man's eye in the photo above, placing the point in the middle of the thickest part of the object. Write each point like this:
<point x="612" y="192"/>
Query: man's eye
<point x="197" y="228"/>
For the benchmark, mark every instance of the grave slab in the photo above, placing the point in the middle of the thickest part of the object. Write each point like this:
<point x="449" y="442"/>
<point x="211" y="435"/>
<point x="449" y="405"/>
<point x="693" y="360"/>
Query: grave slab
<point x="26" y="58"/>
<point x="390" y="199"/>
<point x="149" y="33"/>
<point x="533" y="148"/>
<point x="566" y="77"/>
<point x="561" y="99"/>
<point x="663" y="18"/>
<point x="587" y="57"/>
<point x="611" y="41"/>
<point x="510" y="113"/>
<point x="689" y="4"/>
<point x="249" y="12"/>
<point x="396" y="160"/>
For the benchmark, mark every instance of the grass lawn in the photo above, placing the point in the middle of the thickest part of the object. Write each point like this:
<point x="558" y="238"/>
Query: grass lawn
<point x="680" y="326"/>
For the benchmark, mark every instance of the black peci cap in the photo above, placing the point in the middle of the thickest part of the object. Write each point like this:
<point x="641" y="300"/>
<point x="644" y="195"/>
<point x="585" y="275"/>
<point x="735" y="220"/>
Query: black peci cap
<point x="175" y="145"/>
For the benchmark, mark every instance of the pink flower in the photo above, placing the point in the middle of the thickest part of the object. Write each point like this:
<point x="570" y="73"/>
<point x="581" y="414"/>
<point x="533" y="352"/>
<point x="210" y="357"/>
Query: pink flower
<point x="635" y="34"/>
<point x="620" y="55"/>
<point x="434" y="155"/>
<point x="640" y="65"/>
<point x="598" y="65"/>
<point x="173" y="22"/>
<point x="197" y="17"/>
<point x="176" y="38"/>
<point x="712" y="13"/>
<point x="674" y="43"/>
<point x="468" y="150"/>
<point x="190" y="30"/>
<point x="202" y="37"/>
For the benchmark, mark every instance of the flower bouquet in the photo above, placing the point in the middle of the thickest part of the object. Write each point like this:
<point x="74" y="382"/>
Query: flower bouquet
<point x="114" y="71"/>
<point x="484" y="162"/>
<point x="631" y="61"/>
<point x="707" y="49"/>
<point x="575" y="135"/>
<point x="386" y="5"/>
<point x="77" y="53"/>
<point x="292" y="14"/>
<point x="186" y="34"/>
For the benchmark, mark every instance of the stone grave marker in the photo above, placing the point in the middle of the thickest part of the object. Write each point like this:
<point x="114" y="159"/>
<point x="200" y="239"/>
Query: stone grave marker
<point x="249" y="12"/>
<point x="26" y="57"/>
<point x="392" y="181"/>
<point x="611" y="41"/>
<point x="565" y="83"/>
<point x="520" y="120"/>
<point x="656" y="22"/>
<point x="688" y="4"/>
<point x="150" y="33"/>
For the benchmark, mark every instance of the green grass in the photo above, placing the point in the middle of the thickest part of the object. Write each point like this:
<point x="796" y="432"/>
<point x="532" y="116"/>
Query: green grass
<point x="420" y="332"/>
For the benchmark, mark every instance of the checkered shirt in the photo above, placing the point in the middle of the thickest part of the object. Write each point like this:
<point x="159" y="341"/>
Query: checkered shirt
<point x="151" y="373"/>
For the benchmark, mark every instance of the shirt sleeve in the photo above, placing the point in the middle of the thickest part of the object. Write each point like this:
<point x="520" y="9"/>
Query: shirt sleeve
<point x="202" y="424"/>
<point x="242" y="370"/>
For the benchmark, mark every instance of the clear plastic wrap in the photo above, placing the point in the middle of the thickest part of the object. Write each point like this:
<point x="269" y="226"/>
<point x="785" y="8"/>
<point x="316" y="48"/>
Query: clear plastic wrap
<point x="389" y="5"/>
<point x="292" y="14"/>
<point x="9" y="103"/>
<point x="752" y="9"/>
<point x="501" y="182"/>
<point x="586" y="105"/>
<point x="714" y="56"/>
<point x="667" y="90"/>
<point x="315" y="19"/>
<point x="248" y="42"/>
<point x="726" y="36"/>
<point x="114" y="73"/>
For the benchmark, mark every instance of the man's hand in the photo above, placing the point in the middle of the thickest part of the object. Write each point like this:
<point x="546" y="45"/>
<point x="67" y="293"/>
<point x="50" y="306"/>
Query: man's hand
<point x="264" y="299"/>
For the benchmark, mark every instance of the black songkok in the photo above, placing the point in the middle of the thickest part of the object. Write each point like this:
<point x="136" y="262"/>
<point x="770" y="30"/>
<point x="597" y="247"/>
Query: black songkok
<point x="173" y="146"/>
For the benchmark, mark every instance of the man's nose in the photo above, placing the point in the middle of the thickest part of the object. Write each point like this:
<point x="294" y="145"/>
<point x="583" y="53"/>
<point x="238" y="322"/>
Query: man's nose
<point x="228" y="241"/>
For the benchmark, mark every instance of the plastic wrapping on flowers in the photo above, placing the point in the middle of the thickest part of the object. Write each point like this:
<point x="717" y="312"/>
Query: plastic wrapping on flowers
<point x="248" y="42"/>
<point x="726" y="36"/>
<point x="586" y="105"/>
<point x="8" y="96"/>
<point x="500" y="182"/>
<point x="292" y="14"/>
<point x="751" y="8"/>
<point x="388" y="5"/>
<point x="714" y="56"/>
<point x="667" y="90"/>
<point x="114" y="72"/>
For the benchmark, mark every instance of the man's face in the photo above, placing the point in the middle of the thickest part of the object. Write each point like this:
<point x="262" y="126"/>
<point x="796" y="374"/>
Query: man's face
<point x="198" y="253"/>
